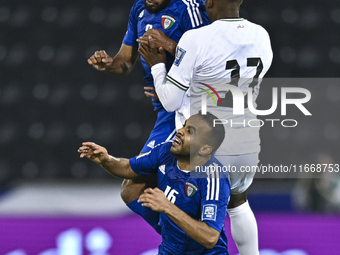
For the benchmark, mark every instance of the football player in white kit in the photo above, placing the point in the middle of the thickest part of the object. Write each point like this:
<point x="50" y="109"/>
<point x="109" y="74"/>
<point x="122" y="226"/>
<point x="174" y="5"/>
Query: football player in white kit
<point x="231" y="52"/>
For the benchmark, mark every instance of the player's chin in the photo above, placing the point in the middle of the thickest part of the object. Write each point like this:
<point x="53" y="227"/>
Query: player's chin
<point x="151" y="8"/>
<point x="175" y="148"/>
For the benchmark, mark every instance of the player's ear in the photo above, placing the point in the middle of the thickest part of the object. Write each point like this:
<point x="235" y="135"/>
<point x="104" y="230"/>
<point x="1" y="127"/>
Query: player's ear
<point x="205" y="150"/>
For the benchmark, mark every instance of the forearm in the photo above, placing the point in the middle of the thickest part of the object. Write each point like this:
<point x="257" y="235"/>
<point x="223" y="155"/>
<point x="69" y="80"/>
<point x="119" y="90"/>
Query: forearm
<point x="118" y="167"/>
<point x="197" y="230"/>
<point x="124" y="61"/>
<point x="119" y="67"/>
<point x="169" y="95"/>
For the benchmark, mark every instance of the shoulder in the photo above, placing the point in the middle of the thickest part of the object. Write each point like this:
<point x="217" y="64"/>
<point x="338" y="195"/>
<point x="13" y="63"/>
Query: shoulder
<point x="191" y="10"/>
<point x="164" y="145"/>
<point x="213" y="169"/>
<point x="183" y="5"/>
<point x="192" y="36"/>
<point x="164" y="149"/>
<point x="137" y="7"/>
<point x="258" y="28"/>
<point x="200" y="32"/>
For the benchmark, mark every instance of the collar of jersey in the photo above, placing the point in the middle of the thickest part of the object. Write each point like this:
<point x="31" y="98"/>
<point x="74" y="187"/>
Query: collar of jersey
<point x="184" y="171"/>
<point x="233" y="19"/>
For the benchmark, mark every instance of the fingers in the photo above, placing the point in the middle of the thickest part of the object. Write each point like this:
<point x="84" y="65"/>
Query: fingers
<point x="144" y="198"/>
<point x="90" y="145"/>
<point x="85" y="151"/>
<point x="148" y="32"/>
<point x="157" y="190"/>
<point x="153" y="32"/>
<point x="85" y="154"/>
<point x="98" y="57"/>
<point x="149" y="191"/>
<point x="88" y="148"/>
<point x="148" y="94"/>
<point x="143" y="50"/>
<point x="161" y="51"/>
<point x="152" y="42"/>
<point x="149" y="88"/>
<point x="147" y="40"/>
<point x="151" y="94"/>
<point x="147" y="196"/>
<point x="147" y="205"/>
<point x="144" y="47"/>
<point x="143" y="40"/>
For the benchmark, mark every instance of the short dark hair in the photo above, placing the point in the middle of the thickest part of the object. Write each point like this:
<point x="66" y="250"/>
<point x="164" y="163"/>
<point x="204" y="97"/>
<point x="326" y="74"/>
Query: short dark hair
<point x="217" y="132"/>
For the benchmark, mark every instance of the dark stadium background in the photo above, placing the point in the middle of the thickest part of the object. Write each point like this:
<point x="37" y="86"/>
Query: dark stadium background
<point x="51" y="100"/>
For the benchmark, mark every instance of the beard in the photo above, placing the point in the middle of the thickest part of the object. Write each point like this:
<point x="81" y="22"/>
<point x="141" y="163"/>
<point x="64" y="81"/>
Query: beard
<point x="157" y="8"/>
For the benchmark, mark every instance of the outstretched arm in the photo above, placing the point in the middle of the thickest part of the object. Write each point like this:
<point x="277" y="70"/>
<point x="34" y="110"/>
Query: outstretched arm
<point x="197" y="230"/>
<point x="118" y="167"/>
<point x="121" y="64"/>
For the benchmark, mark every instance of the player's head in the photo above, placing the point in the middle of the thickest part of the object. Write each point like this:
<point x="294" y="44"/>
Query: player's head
<point x="198" y="137"/>
<point x="154" y="6"/>
<point x="222" y="9"/>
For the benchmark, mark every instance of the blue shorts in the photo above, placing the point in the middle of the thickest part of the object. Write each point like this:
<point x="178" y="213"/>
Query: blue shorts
<point x="164" y="130"/>
<point x="147" y="214"/>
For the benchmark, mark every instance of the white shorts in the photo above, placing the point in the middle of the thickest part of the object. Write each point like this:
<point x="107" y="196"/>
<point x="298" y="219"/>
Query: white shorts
<point x="240" y="180"/>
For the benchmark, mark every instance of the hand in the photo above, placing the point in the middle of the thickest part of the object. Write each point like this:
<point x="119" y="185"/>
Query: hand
<point x="155" y="199"/>
<point x="94" y="152"/>
<point x="100" y="60"/>
<point x="152" y="56"/>
<point x="156" y="38"/>
<point x="151" y="94"/>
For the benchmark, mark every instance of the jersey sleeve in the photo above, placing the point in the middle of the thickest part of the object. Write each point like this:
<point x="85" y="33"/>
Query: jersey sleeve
<point x="171" y="87"/>
<point x="131" y="33"/>
<point x="182" y="69"/>
<point x="148" y="163"/>
<point x="194" y="15"/>
<point x="214" y="201"/>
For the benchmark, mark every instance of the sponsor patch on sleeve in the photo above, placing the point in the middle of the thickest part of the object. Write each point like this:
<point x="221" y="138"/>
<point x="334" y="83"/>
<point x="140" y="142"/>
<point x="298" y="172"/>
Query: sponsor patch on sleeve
<point x="209" y="212"/>
<point x="179" y="56"/>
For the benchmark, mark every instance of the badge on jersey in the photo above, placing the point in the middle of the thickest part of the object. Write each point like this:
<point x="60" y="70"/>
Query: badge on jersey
<point x="179" y="56"/>
<point x="209" y="212"/>
<point x="167" y="21"/>
<point x="190" y="189"/>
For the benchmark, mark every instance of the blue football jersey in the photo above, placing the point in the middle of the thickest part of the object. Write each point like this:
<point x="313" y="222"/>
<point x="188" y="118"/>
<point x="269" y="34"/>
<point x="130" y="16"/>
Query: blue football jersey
<point x="179" y="17"/>
<point x="204" y="199"/>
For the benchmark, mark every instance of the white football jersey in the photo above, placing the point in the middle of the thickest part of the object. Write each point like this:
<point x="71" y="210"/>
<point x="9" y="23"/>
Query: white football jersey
<point x="232" y="52"/>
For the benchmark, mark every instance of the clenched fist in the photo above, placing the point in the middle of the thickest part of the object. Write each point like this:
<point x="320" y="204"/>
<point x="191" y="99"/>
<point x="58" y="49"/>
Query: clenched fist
<point x="100" y="60"/>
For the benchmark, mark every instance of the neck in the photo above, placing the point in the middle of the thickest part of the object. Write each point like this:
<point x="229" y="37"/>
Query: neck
<point x="190" y="164"/>
<point x="226" y="15"/>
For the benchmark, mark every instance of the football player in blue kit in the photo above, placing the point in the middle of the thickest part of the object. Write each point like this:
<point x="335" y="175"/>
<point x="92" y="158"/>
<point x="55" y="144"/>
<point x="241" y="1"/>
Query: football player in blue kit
<point x="192" y="205"/>
<point x="164" y="21"/>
